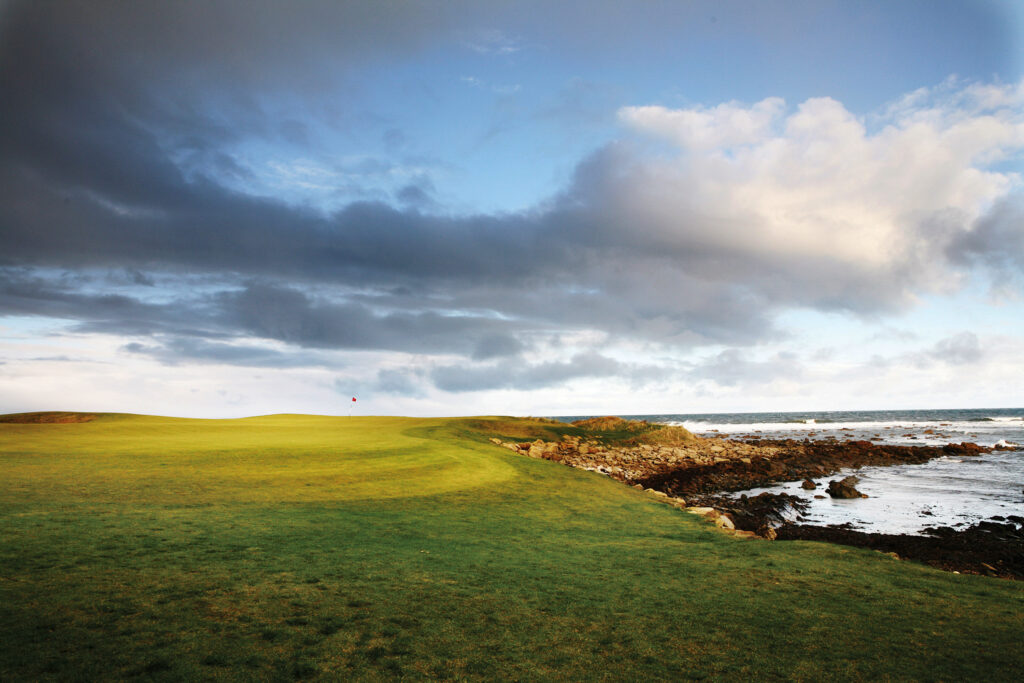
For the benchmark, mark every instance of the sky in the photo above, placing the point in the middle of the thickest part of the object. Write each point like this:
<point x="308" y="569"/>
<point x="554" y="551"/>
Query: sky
<point x="235" y="208"/>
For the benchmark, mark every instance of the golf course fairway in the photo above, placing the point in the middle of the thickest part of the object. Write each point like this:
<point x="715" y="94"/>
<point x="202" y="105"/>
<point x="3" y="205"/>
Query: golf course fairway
<point x="334" y="548"/>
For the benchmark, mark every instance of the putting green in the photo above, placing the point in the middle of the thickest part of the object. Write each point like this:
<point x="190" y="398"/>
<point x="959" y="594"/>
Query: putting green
<point x="280" y="458"/>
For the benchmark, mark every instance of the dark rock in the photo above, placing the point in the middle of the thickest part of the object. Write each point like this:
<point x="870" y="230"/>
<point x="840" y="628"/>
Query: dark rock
<point x="844" y="488"/>
<point x="808" y="484"/>
<point x="965" y="448"/>
<point x="985" y="548"/>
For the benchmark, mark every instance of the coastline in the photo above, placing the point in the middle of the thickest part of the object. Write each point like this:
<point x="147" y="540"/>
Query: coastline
<point x="697" y="474"/>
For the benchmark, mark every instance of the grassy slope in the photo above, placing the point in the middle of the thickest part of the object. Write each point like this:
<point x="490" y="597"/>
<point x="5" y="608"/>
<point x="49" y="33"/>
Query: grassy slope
<point x="298" y="547"/>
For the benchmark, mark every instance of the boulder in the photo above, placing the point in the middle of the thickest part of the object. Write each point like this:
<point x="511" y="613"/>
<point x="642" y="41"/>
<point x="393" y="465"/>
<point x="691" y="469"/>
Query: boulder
<point x="844" y="488"/>
<point x="808" y="485"/>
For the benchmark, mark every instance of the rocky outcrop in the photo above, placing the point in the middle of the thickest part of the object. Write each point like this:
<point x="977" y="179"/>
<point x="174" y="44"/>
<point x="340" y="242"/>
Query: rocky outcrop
<point x="707" y="466"/>
<point x="694" y="470"/>
<point x="638" y="463"/>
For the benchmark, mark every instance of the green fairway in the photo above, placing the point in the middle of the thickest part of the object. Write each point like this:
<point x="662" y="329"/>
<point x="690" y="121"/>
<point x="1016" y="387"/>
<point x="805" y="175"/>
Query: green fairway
<point x="294" y="546"/>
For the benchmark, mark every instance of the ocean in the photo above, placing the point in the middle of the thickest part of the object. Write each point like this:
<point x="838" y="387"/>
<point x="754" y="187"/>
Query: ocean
<point x="953" y="491"/>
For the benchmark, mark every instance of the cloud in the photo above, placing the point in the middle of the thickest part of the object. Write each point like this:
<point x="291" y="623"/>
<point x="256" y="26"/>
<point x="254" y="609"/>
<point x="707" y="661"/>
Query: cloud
<point x="825" y="212"/>
<point x="695" y="229"/>
<point x="962" y="349"/>
<point x="177" y="350"/>
<point x="405" y="382"/>
<point x="996" y="240"/>
<point x="525" y="376"/>
<point x="732" y="368"/>
<point x="696" y="248"/>
<point x="708" y="128"/>
<point x="959" y="349"/>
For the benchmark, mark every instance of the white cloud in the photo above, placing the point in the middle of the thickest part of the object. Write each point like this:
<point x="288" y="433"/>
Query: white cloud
<point x="707" y="128"/>
<point x="852" y="213"/>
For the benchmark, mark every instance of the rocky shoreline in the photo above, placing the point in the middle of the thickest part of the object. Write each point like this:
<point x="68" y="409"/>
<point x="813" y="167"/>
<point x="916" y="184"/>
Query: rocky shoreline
<point x="693" y="473"/>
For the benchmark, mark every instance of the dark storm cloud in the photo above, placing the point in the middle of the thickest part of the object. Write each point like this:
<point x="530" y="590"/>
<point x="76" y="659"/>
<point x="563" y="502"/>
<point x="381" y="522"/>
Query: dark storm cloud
<point x="255" y="310"/>
<point x="61" y="297"/>
<point x="289" y="315"/>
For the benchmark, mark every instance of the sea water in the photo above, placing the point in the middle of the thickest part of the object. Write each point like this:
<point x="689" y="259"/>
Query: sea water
<point x="954" y="491"/>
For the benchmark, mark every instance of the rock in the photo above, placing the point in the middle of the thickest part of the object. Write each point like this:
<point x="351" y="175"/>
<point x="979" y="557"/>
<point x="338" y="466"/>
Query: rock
<point x="965" y="448"/>
<point x="844" y="488"/>
<point x="496" y="441"/>
<point x="724" y="521"/>
<point x="808" y="485"/>
<point x="820" y="497"/>
<point x="767" y="532"/>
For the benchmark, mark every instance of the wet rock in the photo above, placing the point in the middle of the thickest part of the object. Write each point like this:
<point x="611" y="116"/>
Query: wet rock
<point x="808" y="485"/>
<point x="845" y="488"/>
<point x="964" y="448"/>
<point x="985" y="548"/>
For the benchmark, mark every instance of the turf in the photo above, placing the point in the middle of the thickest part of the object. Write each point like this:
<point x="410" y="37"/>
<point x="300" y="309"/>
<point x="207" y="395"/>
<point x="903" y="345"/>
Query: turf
<point x="298" y="547"/>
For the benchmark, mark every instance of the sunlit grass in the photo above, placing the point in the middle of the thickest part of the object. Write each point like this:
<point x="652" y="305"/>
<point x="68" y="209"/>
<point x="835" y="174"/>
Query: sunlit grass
<point x="302" y="547"/>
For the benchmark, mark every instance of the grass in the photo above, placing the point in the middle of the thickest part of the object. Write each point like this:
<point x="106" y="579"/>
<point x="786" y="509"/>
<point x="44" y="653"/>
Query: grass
<point x="296" y="547"/>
